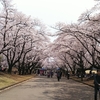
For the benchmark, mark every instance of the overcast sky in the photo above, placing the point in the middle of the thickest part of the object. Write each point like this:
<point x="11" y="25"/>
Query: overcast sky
<point x="52" y="11"/>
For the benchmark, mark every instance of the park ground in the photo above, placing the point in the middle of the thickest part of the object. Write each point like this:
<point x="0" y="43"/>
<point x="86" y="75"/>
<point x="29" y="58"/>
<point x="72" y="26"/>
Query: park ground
<point x="7" y="80"/>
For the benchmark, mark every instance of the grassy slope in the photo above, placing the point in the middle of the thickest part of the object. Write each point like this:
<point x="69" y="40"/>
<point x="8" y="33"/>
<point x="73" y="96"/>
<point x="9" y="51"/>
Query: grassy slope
<point x="7" y="79"/>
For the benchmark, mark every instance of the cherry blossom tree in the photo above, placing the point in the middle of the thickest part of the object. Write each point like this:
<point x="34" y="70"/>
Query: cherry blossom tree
<point x="21" y="37"/>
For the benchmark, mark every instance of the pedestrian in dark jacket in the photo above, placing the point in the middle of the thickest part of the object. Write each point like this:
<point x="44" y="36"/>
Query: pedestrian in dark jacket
<point x="68" y="75"/>
<point x="58" y="75"/>
<point x="96" y="84"/>
<point x="51" y="74"/>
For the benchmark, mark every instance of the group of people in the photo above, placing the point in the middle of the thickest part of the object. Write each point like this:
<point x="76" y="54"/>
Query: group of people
<point x="49" y="74"/>
<point x="58" y="74"/>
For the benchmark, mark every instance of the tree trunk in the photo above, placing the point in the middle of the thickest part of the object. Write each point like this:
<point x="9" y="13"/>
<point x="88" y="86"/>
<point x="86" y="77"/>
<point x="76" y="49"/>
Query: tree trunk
<point x="10" y="69"/>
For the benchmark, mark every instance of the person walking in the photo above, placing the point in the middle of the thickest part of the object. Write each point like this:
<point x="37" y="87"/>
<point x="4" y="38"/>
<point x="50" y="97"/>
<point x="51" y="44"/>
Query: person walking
<point x="96" y="84"/>
<point x="68" y="75"/>
<point x="58" y="75"/>
<point x="51" y="73"/>
<point x="48" y="74"/>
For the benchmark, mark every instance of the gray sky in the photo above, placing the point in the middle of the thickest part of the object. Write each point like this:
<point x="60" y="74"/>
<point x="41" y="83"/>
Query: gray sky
<point x="52" y="11"/>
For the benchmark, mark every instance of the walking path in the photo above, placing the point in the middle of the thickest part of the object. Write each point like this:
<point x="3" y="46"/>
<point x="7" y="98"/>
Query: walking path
<point x="43" y="88"/>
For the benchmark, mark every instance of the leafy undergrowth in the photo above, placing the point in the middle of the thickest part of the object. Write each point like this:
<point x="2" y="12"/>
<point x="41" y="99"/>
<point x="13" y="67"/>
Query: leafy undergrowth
<point x="7" y="79"/>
